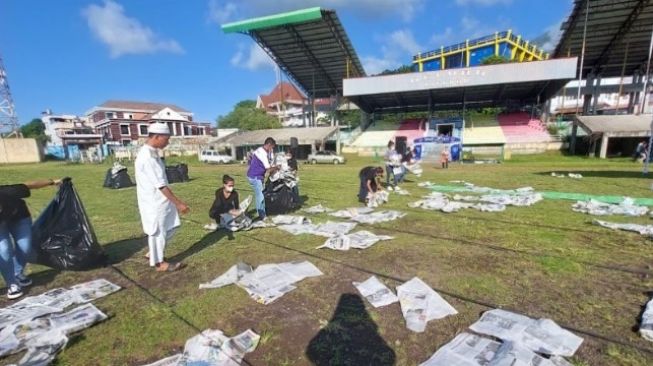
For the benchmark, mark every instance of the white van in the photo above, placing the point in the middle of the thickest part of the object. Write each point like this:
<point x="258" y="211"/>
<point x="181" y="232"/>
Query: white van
<point x="211" y="156"/>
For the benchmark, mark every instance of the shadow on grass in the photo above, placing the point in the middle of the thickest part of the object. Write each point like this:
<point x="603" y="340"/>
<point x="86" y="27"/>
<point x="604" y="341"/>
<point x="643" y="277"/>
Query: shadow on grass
<point x="635" y="328"/>
<point x="208" y="240"/>
<point x="601" y="173"/>
<point x="121" y="250"/>
<point x="350" y="338"/>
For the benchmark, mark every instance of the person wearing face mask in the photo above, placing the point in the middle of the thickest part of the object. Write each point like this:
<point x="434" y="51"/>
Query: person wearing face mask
<point x="226" y="206"/>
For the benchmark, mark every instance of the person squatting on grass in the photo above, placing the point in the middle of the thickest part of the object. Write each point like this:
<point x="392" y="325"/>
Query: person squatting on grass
<point x="226" y="206"/>
<point x="369" y="177"/>
<point x="16" y="234"/>
<point x="158" y="206"/>
<point x="261" y="164"/>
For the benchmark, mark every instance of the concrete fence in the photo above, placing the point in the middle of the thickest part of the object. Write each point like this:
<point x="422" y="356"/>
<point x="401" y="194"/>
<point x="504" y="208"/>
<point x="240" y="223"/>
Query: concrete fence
<point x="19" y="150"/>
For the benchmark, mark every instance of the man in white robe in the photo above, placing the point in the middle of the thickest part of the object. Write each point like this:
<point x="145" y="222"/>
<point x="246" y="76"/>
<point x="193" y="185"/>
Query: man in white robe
<point x="158" y="206"/>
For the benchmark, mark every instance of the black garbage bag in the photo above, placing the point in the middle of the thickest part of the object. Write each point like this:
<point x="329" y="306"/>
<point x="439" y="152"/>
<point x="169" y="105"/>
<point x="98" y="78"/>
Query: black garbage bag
<point x="279" y="199"/>
<point x="177" y="173"/>
<point x="118" y="180"/>
<point x="62" y="236"/>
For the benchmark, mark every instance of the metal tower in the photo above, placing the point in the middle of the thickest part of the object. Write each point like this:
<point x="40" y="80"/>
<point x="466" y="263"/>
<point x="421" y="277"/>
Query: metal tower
<point x="8" y="118"/>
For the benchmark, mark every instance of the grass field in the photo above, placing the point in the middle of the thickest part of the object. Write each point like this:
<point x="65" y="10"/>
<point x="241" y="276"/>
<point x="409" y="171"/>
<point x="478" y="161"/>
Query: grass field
<point x="543" y="261"/>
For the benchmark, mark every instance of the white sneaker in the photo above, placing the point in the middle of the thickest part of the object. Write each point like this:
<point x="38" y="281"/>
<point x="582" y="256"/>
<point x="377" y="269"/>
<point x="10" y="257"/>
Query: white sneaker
<point x="14" y="292"/>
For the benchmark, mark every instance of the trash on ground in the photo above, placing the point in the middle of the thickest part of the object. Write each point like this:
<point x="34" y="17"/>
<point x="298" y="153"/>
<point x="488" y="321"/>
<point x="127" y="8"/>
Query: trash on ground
<point x="328" y="229"/>
<point x="212" y="347"/>
<point x="267" y="282"/>
<point x="359" y="240"/>
<point x="351" y="212"/>
<point x="376" y="292"/>
<point x="375" y="199"/>
<point x="570" y="175"/>
<point x="168" y="361"/>
<point x="317" y="209"/>
<point x="646" y="329"/>
<point x="541" y="335"/>
<point x="641" y="229"/>
<point x="421" y="304"/>
<point x="471" y="350"/>
<point x="378" y="217"/>
<point x="54" y="301"/>
<point x="626" y="207"/>
<point x="290" y="219"/>
<point x="49" y="332"/>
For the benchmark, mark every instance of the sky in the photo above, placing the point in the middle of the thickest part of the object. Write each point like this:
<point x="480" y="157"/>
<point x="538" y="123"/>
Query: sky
<point x="72" y="55"/>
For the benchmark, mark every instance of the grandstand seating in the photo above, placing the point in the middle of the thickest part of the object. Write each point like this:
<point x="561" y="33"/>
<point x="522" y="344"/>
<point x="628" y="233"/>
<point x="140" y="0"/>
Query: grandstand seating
<point x="518" y="127"/>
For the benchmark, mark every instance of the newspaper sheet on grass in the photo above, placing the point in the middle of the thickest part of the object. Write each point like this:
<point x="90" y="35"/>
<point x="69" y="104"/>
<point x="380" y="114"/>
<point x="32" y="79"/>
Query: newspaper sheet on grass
<point x="487" y="202"/>
<point x="168" y="361"/>
<point x="290" y="219"/>
<point x="593" y="207"/>
<point x="570" y="175"/>
<point x="378" y="217"/>
<point x="49" y="330"/>
<point x="473" y="350"/>
<point x="317" y="209"/>
<point x="421" y="304"/>
<point x="328" y="229"/>
<point x="376" y="292"/>
<point x="646" y="329"/>
<point x="213" y="348"/>
<point x="267" y="282"/>
<point x="375" y="199"/>
<point x="541" y="335"/>
<point x="54" y="301"/>
<point x="351" y="212"/>
<point x="641" y="229"/>
<point x="359" y="240"/>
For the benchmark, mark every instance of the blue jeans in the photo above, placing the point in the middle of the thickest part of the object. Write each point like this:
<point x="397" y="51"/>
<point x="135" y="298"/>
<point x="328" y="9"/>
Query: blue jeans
<point x="225" y="219"/>
<point x="388" y="171"/>
<point x="12" y="262"/>
<point x="259" y="199"/>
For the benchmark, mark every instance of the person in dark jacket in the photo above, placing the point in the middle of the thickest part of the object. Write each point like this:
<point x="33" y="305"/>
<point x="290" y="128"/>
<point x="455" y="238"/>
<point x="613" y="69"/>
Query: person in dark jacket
<point x="226" y="206"/>
<point x="369" y="181"/>
<point x="16" y="234"/>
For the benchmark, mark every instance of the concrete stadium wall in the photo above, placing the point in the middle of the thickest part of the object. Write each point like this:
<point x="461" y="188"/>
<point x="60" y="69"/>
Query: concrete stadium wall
<point x="17" y="150"/>
<point x="514" y="149"/>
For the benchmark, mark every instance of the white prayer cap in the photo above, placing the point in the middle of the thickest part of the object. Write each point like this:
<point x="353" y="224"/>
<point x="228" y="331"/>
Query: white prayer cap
<point x="159" y="128"/>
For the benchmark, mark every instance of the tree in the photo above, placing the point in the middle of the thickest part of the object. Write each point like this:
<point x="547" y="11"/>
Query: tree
<point x="494" y="59"/>
<point x="35" y="129"/>
<point x="403" y="69"/>
<point x="246" y="116"/>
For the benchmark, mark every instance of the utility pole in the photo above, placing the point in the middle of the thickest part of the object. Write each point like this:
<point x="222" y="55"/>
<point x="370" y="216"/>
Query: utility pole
<point x="8" y="118"/>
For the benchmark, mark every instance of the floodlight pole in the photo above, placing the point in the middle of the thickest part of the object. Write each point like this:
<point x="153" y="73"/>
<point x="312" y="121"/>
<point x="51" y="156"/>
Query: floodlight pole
<point x="648" y="150"/>
<point x="648" y="65"/>
<point x="574" y="129"/>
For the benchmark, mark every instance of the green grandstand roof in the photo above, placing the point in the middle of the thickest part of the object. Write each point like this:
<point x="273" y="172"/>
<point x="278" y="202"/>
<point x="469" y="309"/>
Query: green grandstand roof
<point x="309" y="45"/>
<point x="291" y="17"/>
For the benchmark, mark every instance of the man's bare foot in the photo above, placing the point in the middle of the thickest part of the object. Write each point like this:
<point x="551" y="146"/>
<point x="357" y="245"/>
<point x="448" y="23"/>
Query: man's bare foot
<point x="168" y="267"/>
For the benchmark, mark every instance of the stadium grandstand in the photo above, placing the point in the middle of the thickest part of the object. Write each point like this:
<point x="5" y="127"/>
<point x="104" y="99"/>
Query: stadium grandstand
<point x="441" y="100"/>
<point x="474" y="52"/>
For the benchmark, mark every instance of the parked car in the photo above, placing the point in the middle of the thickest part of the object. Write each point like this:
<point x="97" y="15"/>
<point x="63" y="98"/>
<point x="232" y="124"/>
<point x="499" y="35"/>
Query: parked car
<point x="326" y="157"/>
<point x="211" y="156"/>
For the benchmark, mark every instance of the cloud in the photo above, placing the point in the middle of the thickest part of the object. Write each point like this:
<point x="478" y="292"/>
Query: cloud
<point x="124" y="35"/>
<point x="252" y="59"/>
<point x="445" y="38"/>
<point x="405" y="9"/>
<point x="482" y="2"/>
<point x="550" y="38"/>
<point x="397" y="49"/>
<point x="221" y="13"/>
